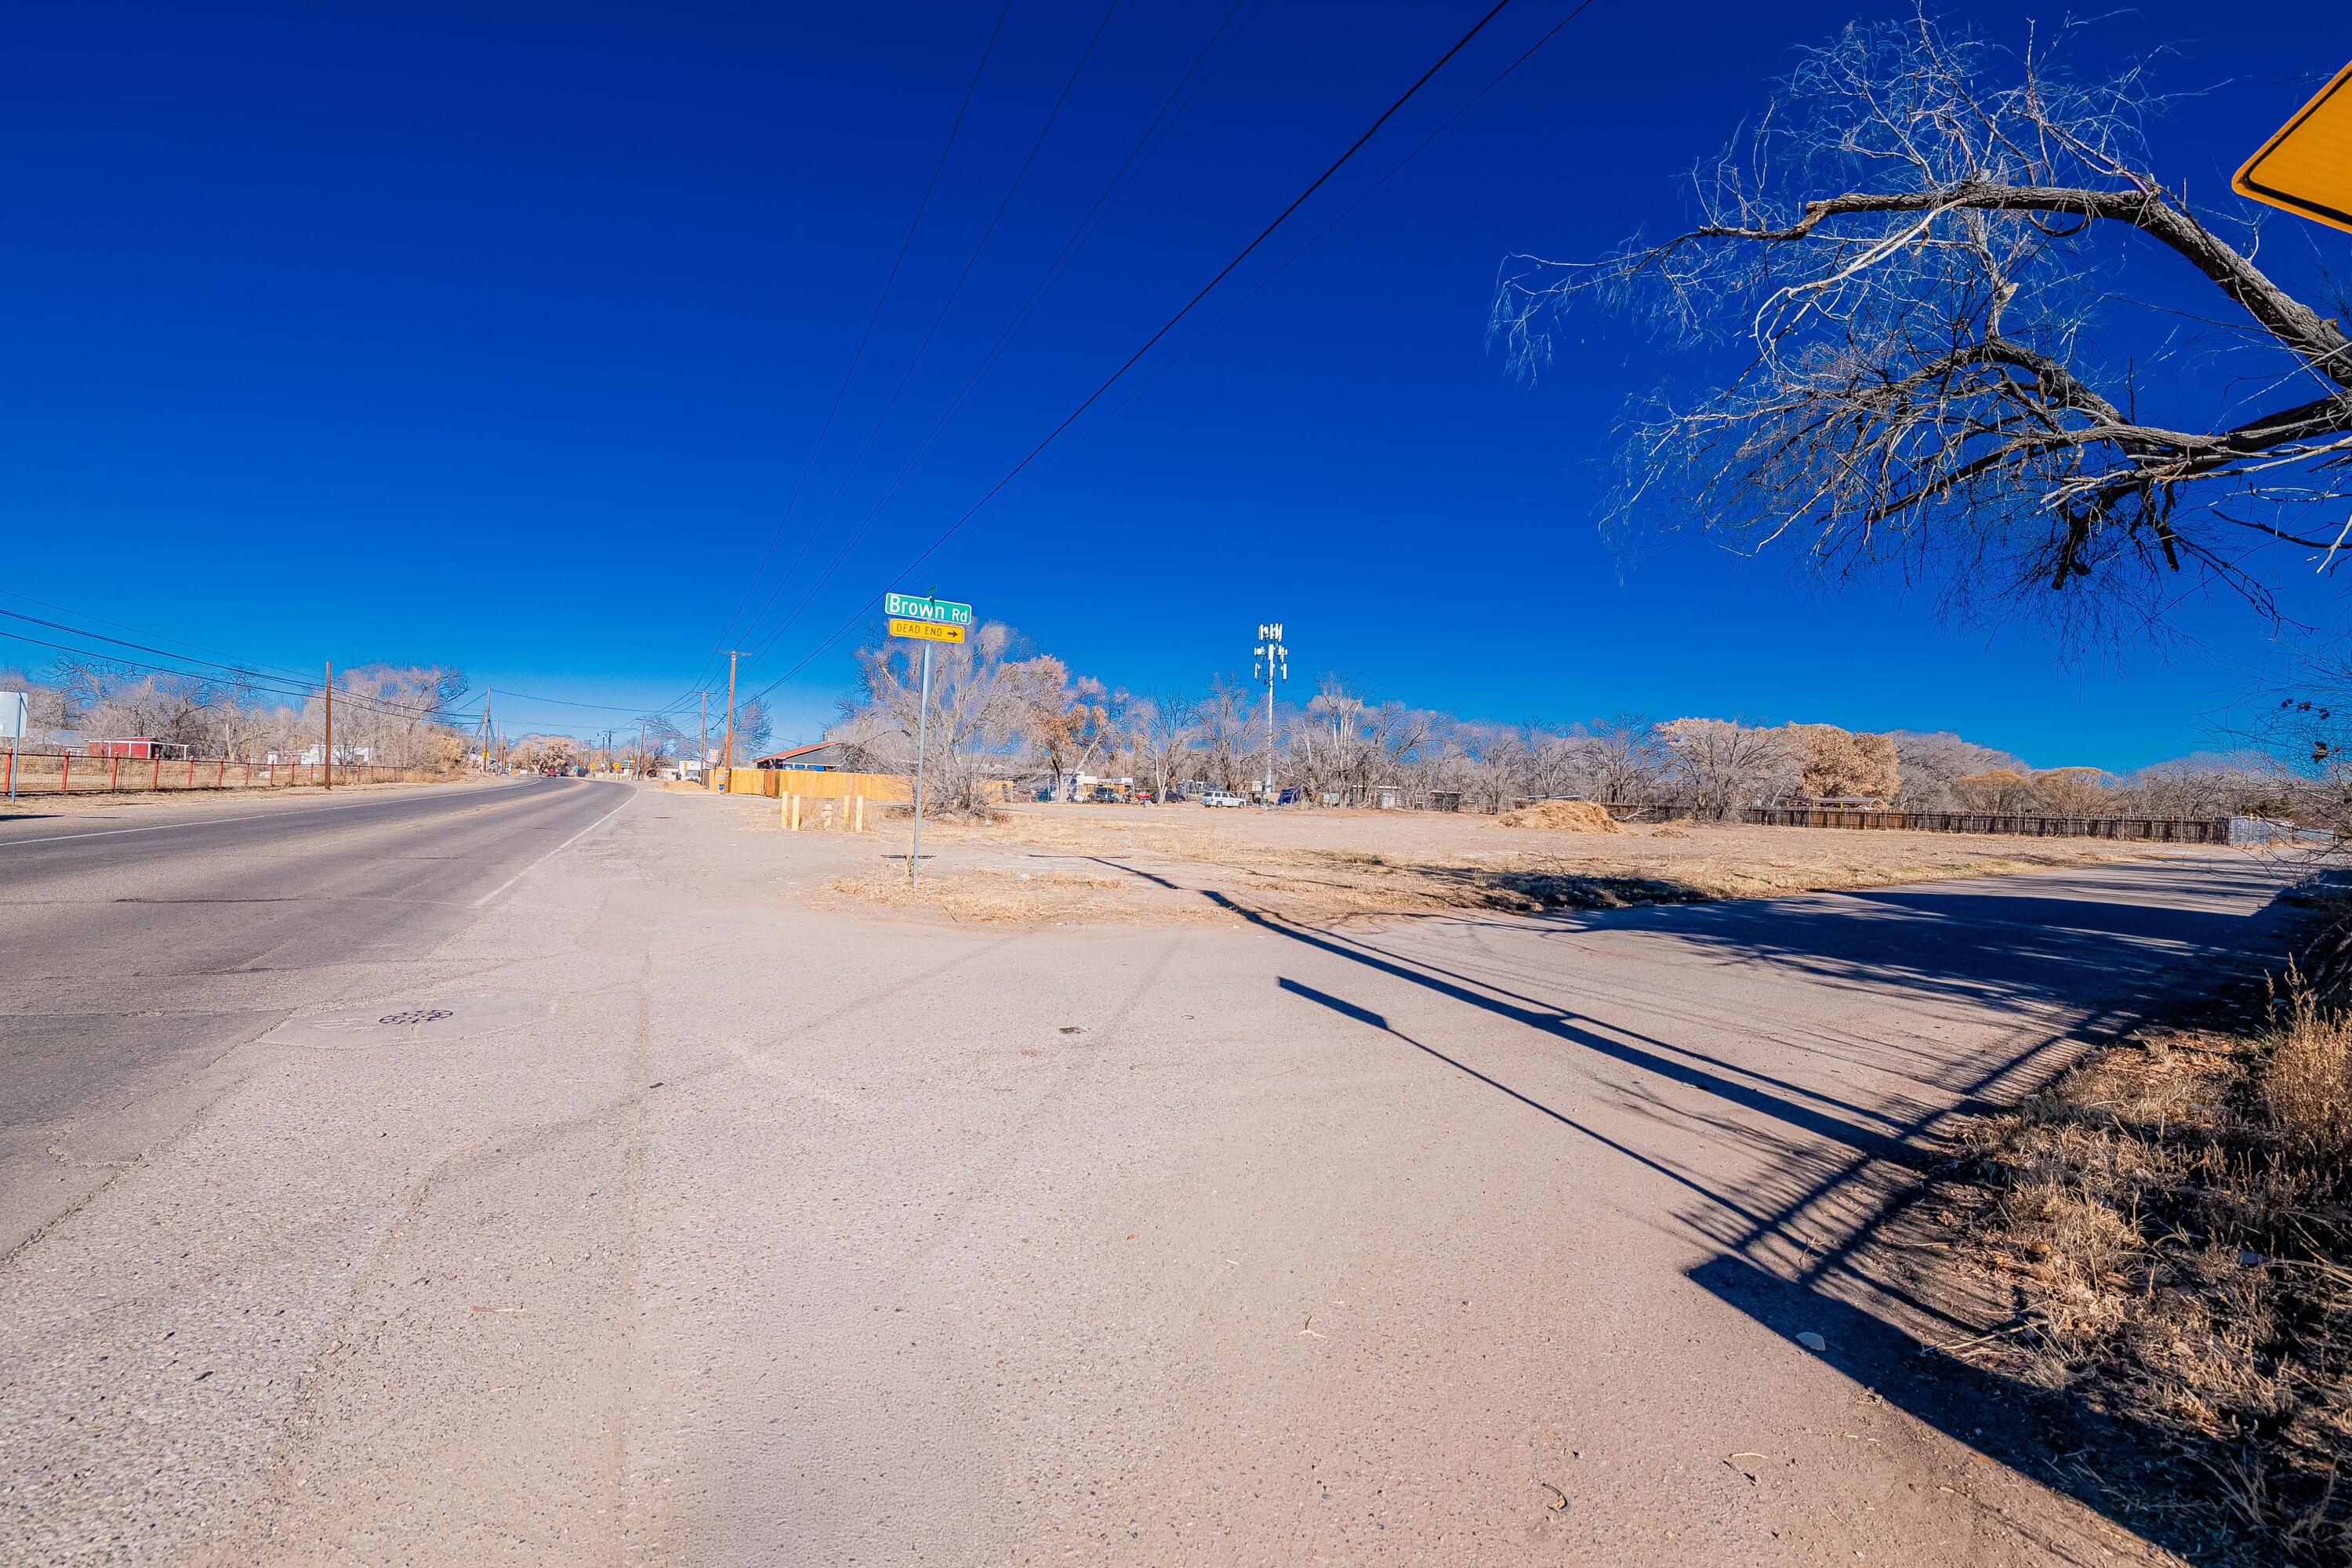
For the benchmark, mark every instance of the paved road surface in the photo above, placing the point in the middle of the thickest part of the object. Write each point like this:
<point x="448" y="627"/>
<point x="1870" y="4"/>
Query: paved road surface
<point x="702" y="1226"/>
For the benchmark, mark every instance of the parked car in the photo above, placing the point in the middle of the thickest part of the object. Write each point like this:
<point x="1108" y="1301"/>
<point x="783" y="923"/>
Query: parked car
<point x="1221" y="797"/>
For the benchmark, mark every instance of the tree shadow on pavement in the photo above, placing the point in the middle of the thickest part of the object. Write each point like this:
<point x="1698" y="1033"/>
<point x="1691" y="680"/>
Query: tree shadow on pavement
<point x="1801" y="1248"/>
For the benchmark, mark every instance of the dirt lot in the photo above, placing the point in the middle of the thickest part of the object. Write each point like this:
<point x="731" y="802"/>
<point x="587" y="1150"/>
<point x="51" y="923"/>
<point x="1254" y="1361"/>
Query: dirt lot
<point x="1128" y="864"/>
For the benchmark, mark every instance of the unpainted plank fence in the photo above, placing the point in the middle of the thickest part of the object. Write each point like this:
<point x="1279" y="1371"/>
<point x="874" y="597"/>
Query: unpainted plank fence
<point x="38" y="773"/>
<point x="2149" y="829"/>
<point x="817" y="783"/>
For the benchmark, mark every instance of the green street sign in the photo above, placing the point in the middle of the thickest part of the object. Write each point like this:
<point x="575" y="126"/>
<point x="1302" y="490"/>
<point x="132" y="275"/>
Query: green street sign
<point x="940" y="612"/>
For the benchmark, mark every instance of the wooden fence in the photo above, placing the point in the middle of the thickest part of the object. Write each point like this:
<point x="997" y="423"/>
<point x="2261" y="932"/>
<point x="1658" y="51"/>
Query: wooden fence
<point x="2153" y="829"/>
<point x="47" y="773"/>
<point x="818" y="783"/>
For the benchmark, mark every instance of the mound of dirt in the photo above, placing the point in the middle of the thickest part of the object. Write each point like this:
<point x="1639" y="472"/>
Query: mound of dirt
<point x="1561" y="817"/>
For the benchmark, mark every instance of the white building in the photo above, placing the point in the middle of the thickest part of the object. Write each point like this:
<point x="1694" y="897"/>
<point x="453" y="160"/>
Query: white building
<point x="311" y="756"/>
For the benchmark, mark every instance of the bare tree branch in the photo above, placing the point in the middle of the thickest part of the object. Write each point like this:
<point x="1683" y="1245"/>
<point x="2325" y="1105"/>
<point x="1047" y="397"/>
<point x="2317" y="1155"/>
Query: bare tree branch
<point x="1917" y="239"/>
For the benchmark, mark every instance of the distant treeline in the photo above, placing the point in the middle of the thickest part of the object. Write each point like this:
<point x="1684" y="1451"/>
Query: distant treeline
<point x="1000" y="709"/>
<point x="395" y="716"/>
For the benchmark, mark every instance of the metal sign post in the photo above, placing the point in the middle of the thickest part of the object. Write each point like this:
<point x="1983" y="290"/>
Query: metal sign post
<point x="927" y="620"/>
<point x="922" y="734"/>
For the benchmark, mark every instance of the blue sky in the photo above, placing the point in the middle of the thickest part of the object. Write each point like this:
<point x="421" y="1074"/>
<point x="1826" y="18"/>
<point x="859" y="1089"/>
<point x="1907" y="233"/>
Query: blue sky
<point x="500" y="335"/>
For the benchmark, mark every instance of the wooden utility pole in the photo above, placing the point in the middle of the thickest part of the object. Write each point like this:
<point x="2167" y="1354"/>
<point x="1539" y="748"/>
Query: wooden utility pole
<point x="732" y="655"/>
<point x="702" y="736"/>
<point x="330" y="748"/>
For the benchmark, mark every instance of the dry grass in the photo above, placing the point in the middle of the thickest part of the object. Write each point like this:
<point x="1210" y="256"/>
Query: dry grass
<point x="2173" y="1222"/>
<point x="2308" y="1088"/>
<point x="1034" y="898"/>
<point x="1171" y="862"/>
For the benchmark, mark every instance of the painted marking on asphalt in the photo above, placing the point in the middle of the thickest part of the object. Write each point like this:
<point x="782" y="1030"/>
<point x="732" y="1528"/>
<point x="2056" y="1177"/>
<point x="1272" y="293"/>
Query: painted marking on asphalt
<point x="212" y="821"/>
<point x="552" y="854"/>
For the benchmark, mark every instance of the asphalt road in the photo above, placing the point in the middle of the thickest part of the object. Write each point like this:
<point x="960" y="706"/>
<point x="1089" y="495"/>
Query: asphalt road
<point x="145" y="940"/>
<point x="679" y="1220"/>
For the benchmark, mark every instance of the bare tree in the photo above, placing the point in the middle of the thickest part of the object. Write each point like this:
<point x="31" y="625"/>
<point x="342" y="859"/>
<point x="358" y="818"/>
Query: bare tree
<point x="179" y="710"/>
<point x="1222" y="719"/>
<point x="1341" y="739"/>
<point x="1723" y="764"/>
<point x="1837" y="763"/>
<point x="1931" y="765"/>
<point x="1921" y="241"/>
<point x="979" y="703"/>
<point x="1164" y="732"/>
<point x="393" y="715"/>
<point x="1998" y="790"/>
<point x="1068" y="718"/>
<point x="2209" y="786"/>
<point x="1623" y="758"/>
<point x="1495" y="763"/>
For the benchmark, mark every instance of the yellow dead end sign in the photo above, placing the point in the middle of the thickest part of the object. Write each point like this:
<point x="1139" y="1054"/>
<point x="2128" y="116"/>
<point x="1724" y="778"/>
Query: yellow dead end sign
<point x="928" y="631"/>
<point x="2307" y="167"/>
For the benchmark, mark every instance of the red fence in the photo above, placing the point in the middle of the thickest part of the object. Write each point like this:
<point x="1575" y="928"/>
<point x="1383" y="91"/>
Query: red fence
<point x="36" y="772"/>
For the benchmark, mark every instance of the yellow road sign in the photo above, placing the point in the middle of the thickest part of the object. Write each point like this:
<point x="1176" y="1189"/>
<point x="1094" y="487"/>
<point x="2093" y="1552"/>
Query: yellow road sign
<point x="929" y="631"/>
<point x="2307" y="167"/>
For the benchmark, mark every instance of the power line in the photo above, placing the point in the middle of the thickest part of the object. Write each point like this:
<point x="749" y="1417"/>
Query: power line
<point x="1145" y="146"/>
<point x="1165" y="328"/>
<point x="1051" y="116"/>
<point x="237" y="675"/>
<point x="1259" y="287"/>
<point x="1223" y="273"/>
<point x="858" y="357"/>
<point x="101" y="620"/>
<point x="247" y="674"/>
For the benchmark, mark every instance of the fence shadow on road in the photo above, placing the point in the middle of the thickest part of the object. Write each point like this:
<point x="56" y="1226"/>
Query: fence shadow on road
<point x="1801" y="1247"/>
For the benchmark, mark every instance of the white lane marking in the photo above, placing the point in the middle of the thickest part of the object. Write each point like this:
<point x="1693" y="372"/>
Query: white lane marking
<point x="552" y="854"/>
<point x="209" y="822"/>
